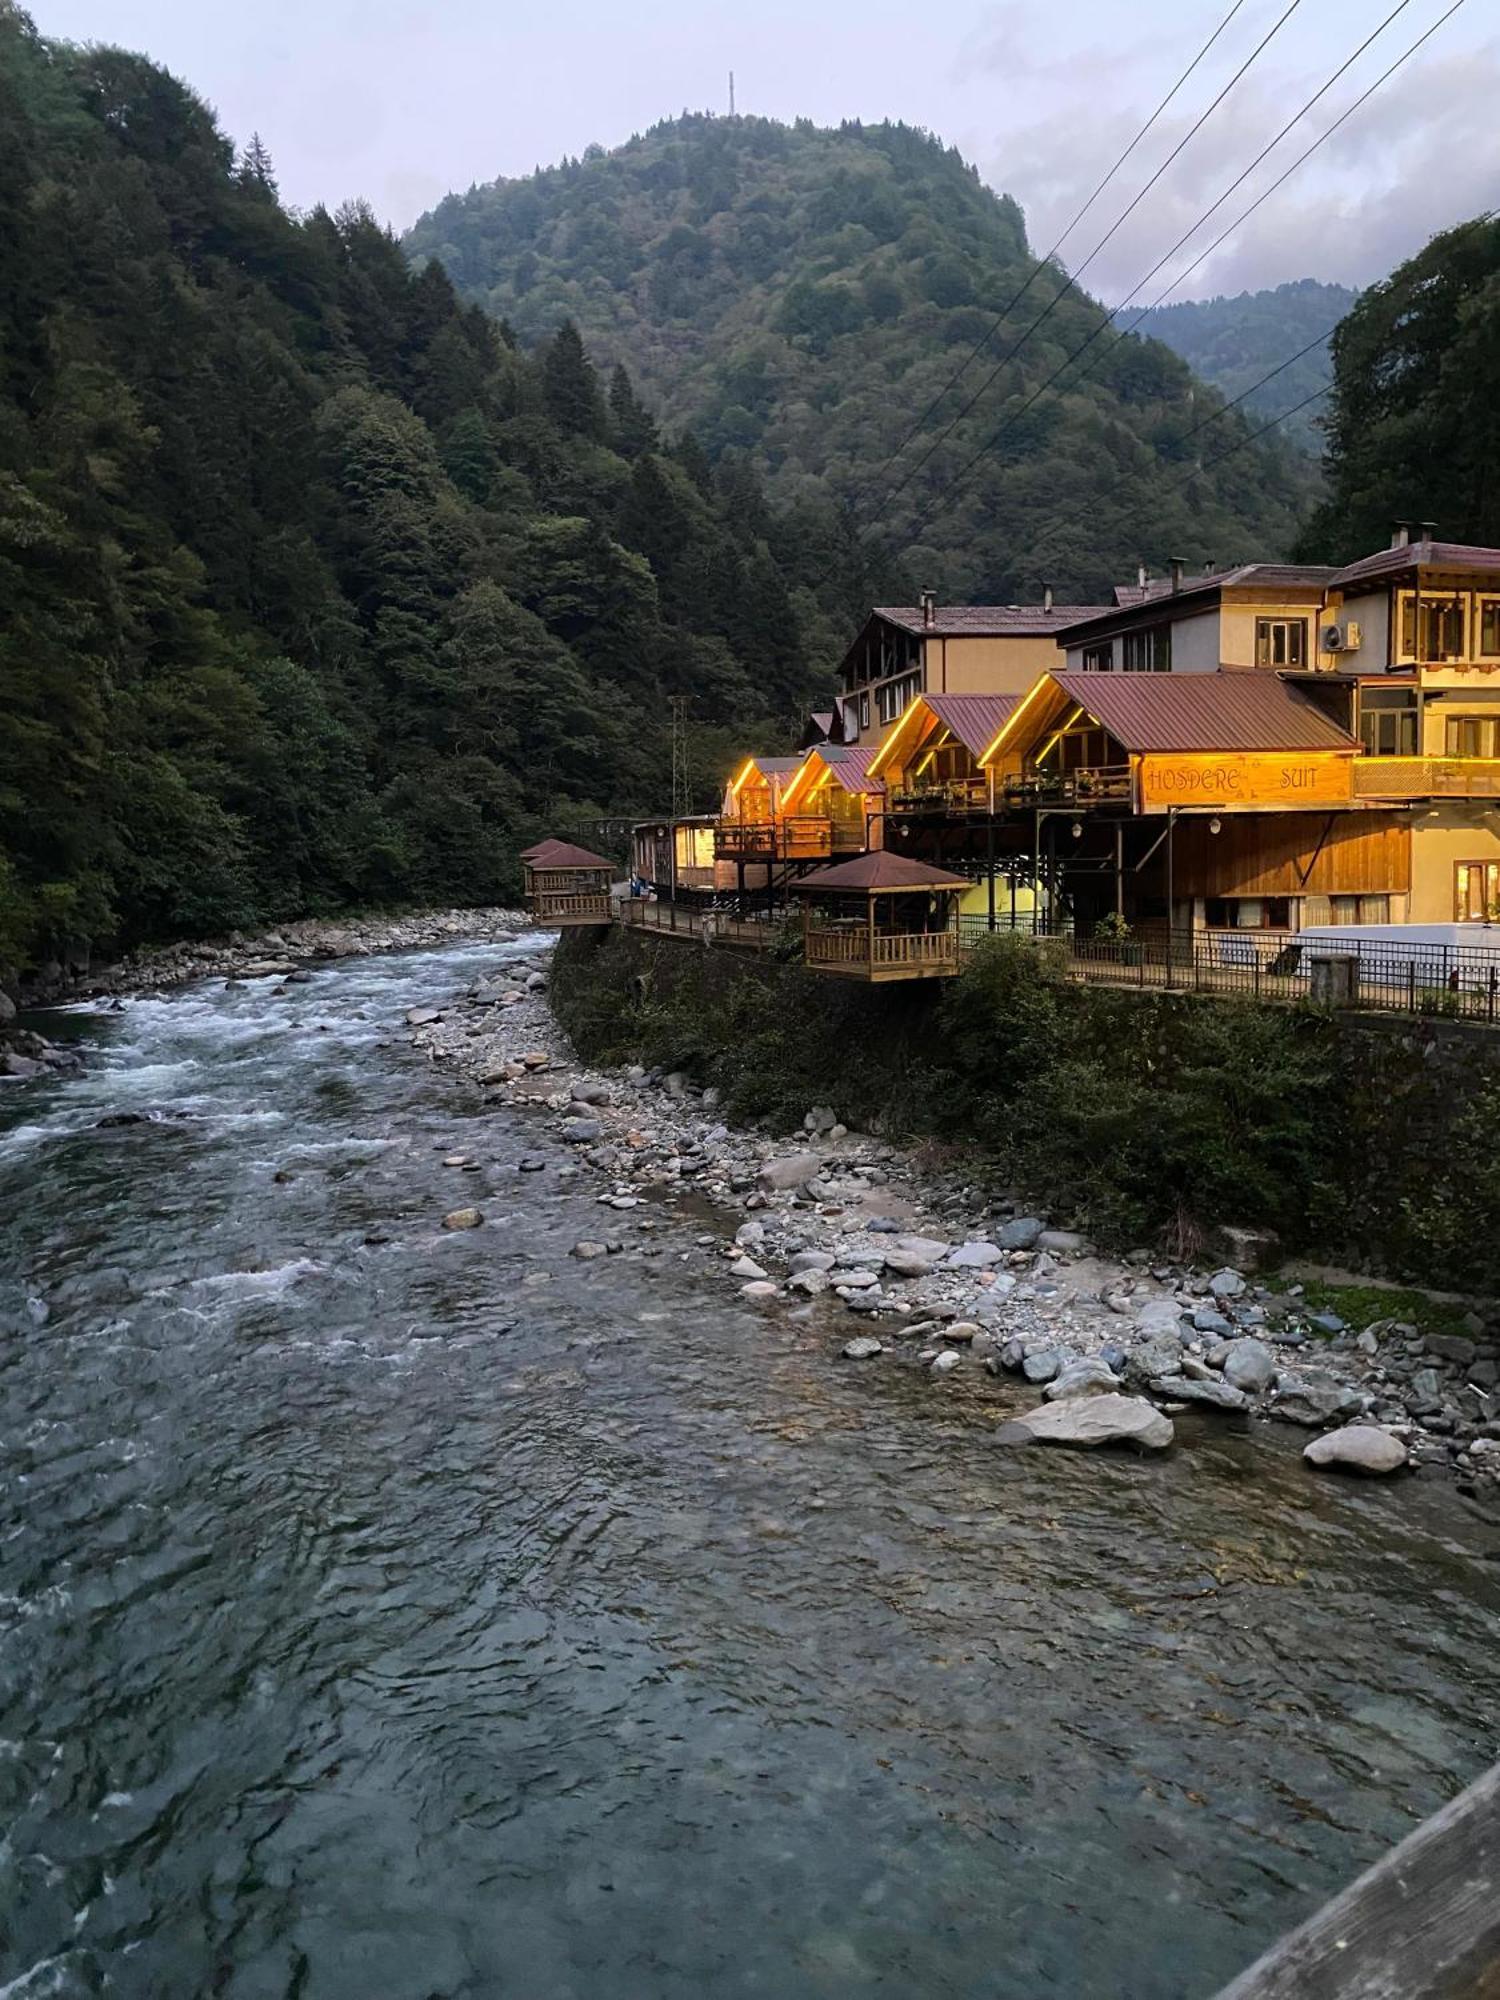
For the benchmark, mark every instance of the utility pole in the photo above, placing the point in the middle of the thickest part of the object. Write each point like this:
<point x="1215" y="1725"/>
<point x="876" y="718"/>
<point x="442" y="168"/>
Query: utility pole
<point x="731" y="93"/>
<point x="682" y="786"/>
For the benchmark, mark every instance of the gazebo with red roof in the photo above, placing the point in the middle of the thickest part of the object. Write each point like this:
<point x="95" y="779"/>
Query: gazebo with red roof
<point x="881" y="917"/>
<point x="567" y="886"/>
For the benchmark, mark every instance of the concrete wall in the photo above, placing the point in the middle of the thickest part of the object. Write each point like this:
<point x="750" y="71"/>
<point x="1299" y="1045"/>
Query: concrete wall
<point x="1441" y="837"/>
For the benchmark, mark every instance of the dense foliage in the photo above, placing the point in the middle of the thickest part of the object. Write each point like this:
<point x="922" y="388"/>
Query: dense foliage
<point x="1414" y="432"/>
<point x="805" y="294"/>
<point x="1139" y="1116"/>
<point x="316" y="589"/>
<point x="1233" y="342"/>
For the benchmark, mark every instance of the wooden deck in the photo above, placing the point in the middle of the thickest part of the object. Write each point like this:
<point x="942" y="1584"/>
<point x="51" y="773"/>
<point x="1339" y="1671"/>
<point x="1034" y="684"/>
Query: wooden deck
<point x="855" y="953"/>
<point x="1423" y="1924"/>
<point x="694" y="924"/>
<point x="560" y="909"/>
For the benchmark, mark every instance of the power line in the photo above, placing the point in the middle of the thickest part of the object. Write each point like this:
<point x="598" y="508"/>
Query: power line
<point x="1042" y="262"/>
<point x="1071" y="283"/>
<point x="983" y="450"/>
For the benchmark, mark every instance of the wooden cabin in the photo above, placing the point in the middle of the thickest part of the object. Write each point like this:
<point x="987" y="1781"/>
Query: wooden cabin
<point x="1225" y="801"/>
<point x="930" y="762"/>
<point x="567" y="886"/>
<point x="674" y="858"/>
<point x="833" y="787"/>
<point x="881" y="917"/>
<point x="754" y="825"/>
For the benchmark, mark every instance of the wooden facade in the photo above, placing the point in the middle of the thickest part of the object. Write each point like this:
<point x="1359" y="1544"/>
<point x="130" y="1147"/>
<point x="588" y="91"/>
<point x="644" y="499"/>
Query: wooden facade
<point x="881" y="917"/>
<point x="568" y="886"/>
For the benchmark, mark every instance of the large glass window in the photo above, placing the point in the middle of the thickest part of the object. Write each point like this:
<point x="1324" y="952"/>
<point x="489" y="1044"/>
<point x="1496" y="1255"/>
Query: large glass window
<point x="1149" y="651"/>
<point x="1387" y="726"/>
<point x="1476" y="892"/>
<point x="1099" y="659"/>
<point x="1281" y="642"/>
<point x="1434" y="626"/>
<point x="1472" y="736"/>
<point x="1487" y="618"/>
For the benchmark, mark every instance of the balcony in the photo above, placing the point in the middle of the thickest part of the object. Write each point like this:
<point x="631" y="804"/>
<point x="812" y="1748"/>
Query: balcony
<point x="563" y="908"/>
<point x="950" y="799"/>
<point x="855" y="952"/>
<point x="1091" y="785"/>
<point x="1427" y="777"/>
<point x="794" y="839"/>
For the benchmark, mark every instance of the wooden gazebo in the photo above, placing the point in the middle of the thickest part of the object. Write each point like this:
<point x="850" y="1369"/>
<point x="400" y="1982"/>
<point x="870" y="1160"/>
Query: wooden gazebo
<point x="881" y="916"/>
<point x="567" y="885"/>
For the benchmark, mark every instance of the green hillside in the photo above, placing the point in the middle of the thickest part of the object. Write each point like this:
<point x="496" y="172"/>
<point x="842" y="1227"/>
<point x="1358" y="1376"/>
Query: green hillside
<point x="803" y="294"/>
<point x="316" y="590"/>
<point x="1233" y="342"/>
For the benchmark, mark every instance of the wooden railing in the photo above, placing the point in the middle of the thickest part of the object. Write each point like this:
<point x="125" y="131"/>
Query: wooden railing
<point x="854" y="947"/>
<point x="1091" y="785"/>
<point x="952" y="795"/>
<point x="798" y="838"/>
<point x="1426" y="777"/>
<point x="698" y="925"/>
<point x="560" y="906"/>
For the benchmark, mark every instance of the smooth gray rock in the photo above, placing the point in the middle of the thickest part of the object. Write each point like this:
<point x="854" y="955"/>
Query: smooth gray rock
<point x="1205" y="1320"/>
<point x="746" y="1267"/>
<point x="1451" y="1347"/>
<point x="1043" y="1366"/>
<point x="1250" y="1365"/>
<point x="944" y="1363"/>
<point x="1314" y="1400"/>
<point x="856" y="1280"/>
<point x="906" y="1264"/>
<point x="1191" y="1389"/>
<point x="930" y="1247"/>
<point x="582" y="1131"/>
<point x="973" y="1256"/>
<point x="809" y="1282"/>
<point x="1160" y="1355"/>
<point x="1066" y="1242"/>
<point x="863" y="1347"/>
<point x="587" y="1250"/>
<point x="820" y="1119"/>
<point x="1357" y="1448"/>
<point x="795" y="1171"/>
<point x="809" y="1260"/>
<point x="1158" y="1316"/>
<point x="416" y="1017"/>
<point x="1088" y="1421"/>
<point x="1226" y="1284"/>
<point x="1021" y="1234"/>
<point x="591" y="1093"/>
<point x="1088" y="1377"/>
<point x="462" y="1218"/>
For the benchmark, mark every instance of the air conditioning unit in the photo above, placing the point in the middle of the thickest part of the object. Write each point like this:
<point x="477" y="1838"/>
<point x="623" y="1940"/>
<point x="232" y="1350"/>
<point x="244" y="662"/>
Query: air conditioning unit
<point x="1353" y="637"/>
<point x="1331" y="639"/>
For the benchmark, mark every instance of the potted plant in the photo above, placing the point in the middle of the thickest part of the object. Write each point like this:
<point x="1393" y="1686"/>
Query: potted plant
<point x="1114" y="930"/>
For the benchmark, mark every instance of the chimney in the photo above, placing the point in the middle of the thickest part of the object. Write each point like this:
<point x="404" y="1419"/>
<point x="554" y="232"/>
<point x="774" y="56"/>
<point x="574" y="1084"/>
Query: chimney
<point x="1046" y="597"/>
<point x="1400" y="534"/>
<point x="1428" y="530"/>
<point x="1209" y="567"/>
<point x="1140" y="576"/>
<point x="1177" y="567"/>
<point x="929" y="610"/>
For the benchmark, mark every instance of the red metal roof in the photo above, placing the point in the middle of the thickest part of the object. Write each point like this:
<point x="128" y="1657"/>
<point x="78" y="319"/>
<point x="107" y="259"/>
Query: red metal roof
<point x="986" y="621"/>
<point x="562" y="854"/>
<point x="1223" y="711"/>
<point x="975" y="719"/>
<point x="850" y="764"/>
<point x="1157" y="593"/>
<point x="541" y="846"/>
<point x="1389" y="563"/>
<point x="879" y="872"/>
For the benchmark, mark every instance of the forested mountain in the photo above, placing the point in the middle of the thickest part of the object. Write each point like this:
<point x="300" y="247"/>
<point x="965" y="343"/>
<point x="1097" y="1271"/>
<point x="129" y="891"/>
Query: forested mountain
<point x="1233" y="342"/>
<point x="1414" y="426"/>
<point x="316" y="589"/>
<point x="805" y="294"/>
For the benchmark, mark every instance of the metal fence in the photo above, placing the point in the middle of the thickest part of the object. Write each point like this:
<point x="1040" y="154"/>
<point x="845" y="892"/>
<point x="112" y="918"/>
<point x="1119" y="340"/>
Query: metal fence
<point x="1457" y="982"/>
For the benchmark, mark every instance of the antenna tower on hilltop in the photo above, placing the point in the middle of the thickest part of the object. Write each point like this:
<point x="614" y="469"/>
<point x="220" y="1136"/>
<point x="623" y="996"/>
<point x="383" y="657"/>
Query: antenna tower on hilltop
<point x="731" y="93"/>
<point x="682" y="785"/>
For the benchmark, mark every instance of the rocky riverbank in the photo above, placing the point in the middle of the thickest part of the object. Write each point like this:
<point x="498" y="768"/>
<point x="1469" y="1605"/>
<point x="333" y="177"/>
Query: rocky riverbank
<point x="927" y="1270"/>
<point x="283" y="953"/>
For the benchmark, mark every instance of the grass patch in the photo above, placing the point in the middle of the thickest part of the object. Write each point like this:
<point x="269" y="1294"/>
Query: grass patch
<point x="1360" y="1305"/>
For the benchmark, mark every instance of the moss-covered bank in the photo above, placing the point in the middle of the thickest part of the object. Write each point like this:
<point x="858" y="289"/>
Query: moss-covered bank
<point x="1135" y="1114"/>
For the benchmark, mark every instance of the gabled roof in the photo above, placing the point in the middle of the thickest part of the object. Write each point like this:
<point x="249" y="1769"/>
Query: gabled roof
<point x="850" y="765"/>
<point x="539" y="848"/>
<point x="880" y="872"/>
<point x="1387" y="564"/>
<point x="562" y="854"/>
<point x="974" y="719"/>
<point x="1198" y="592"/>
<point x="775" y="767"/>
<point x="1153" y="713"/>
<point x="985" y="621"/>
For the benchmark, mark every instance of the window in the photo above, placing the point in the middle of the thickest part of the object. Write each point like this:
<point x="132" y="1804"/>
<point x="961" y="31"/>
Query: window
<point x="1487" y="612"/>
<point x="1099" y="659"/>
<point x="1472" y="736"/>
<point x="1359" y="909"/>
<point x="864" y="711"/>
<point x="1476" y="892"/>
<point x="1281" y="642"/>
<point x="1148" y="651"/>
<point x="1248" y="913"/>
<point x="894" y="696"/>
<point x="1433" y="626"/>
<point x="1388" y="731"/>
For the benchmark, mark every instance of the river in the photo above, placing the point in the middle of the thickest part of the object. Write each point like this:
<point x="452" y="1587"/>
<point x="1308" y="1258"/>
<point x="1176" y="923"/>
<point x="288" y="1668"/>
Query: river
<point x="441" y="1616"/>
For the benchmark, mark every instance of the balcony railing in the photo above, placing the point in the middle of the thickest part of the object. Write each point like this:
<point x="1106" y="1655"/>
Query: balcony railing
<point x="799" y="838"/>
<point x="1103" y="784"/>
<point x="1427" y="777"/>
<point x="887" y="955"/>
<point x="951" y="796"/>
<point x="558" y="906"/>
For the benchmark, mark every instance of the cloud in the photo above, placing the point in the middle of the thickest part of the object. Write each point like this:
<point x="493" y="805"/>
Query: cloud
<point x="1420" y="156"/>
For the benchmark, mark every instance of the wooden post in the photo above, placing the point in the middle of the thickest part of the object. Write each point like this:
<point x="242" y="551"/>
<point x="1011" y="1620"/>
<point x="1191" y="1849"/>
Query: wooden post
<point x="872" y="934"/>
<point x="1423" y="1923"/>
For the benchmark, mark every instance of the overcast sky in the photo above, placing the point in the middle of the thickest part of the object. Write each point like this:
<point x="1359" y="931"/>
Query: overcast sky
<point x="399" y="102"/>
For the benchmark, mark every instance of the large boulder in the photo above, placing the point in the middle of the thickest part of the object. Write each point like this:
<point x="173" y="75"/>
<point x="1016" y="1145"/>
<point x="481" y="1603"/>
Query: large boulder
<point x="929" y="1247"/>
<point x="807" y="1260"/>
<point x="1250" y="1365"/>
<point x="1021" y="1234"/>
<point x="1158" y="1316"/>
<point x="1214" y="1395"/>
<point x="795" y="1171"/>
<point x="974" y="1256"/>
<point x="907" y="1264"/>
<point x="1357" y="1448"/>
<point x="1086" y="1421"/>
<point x="1315" y="1400"/>
<point x="1090" y="1377"/>
<point x="1159" y="1355"/>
